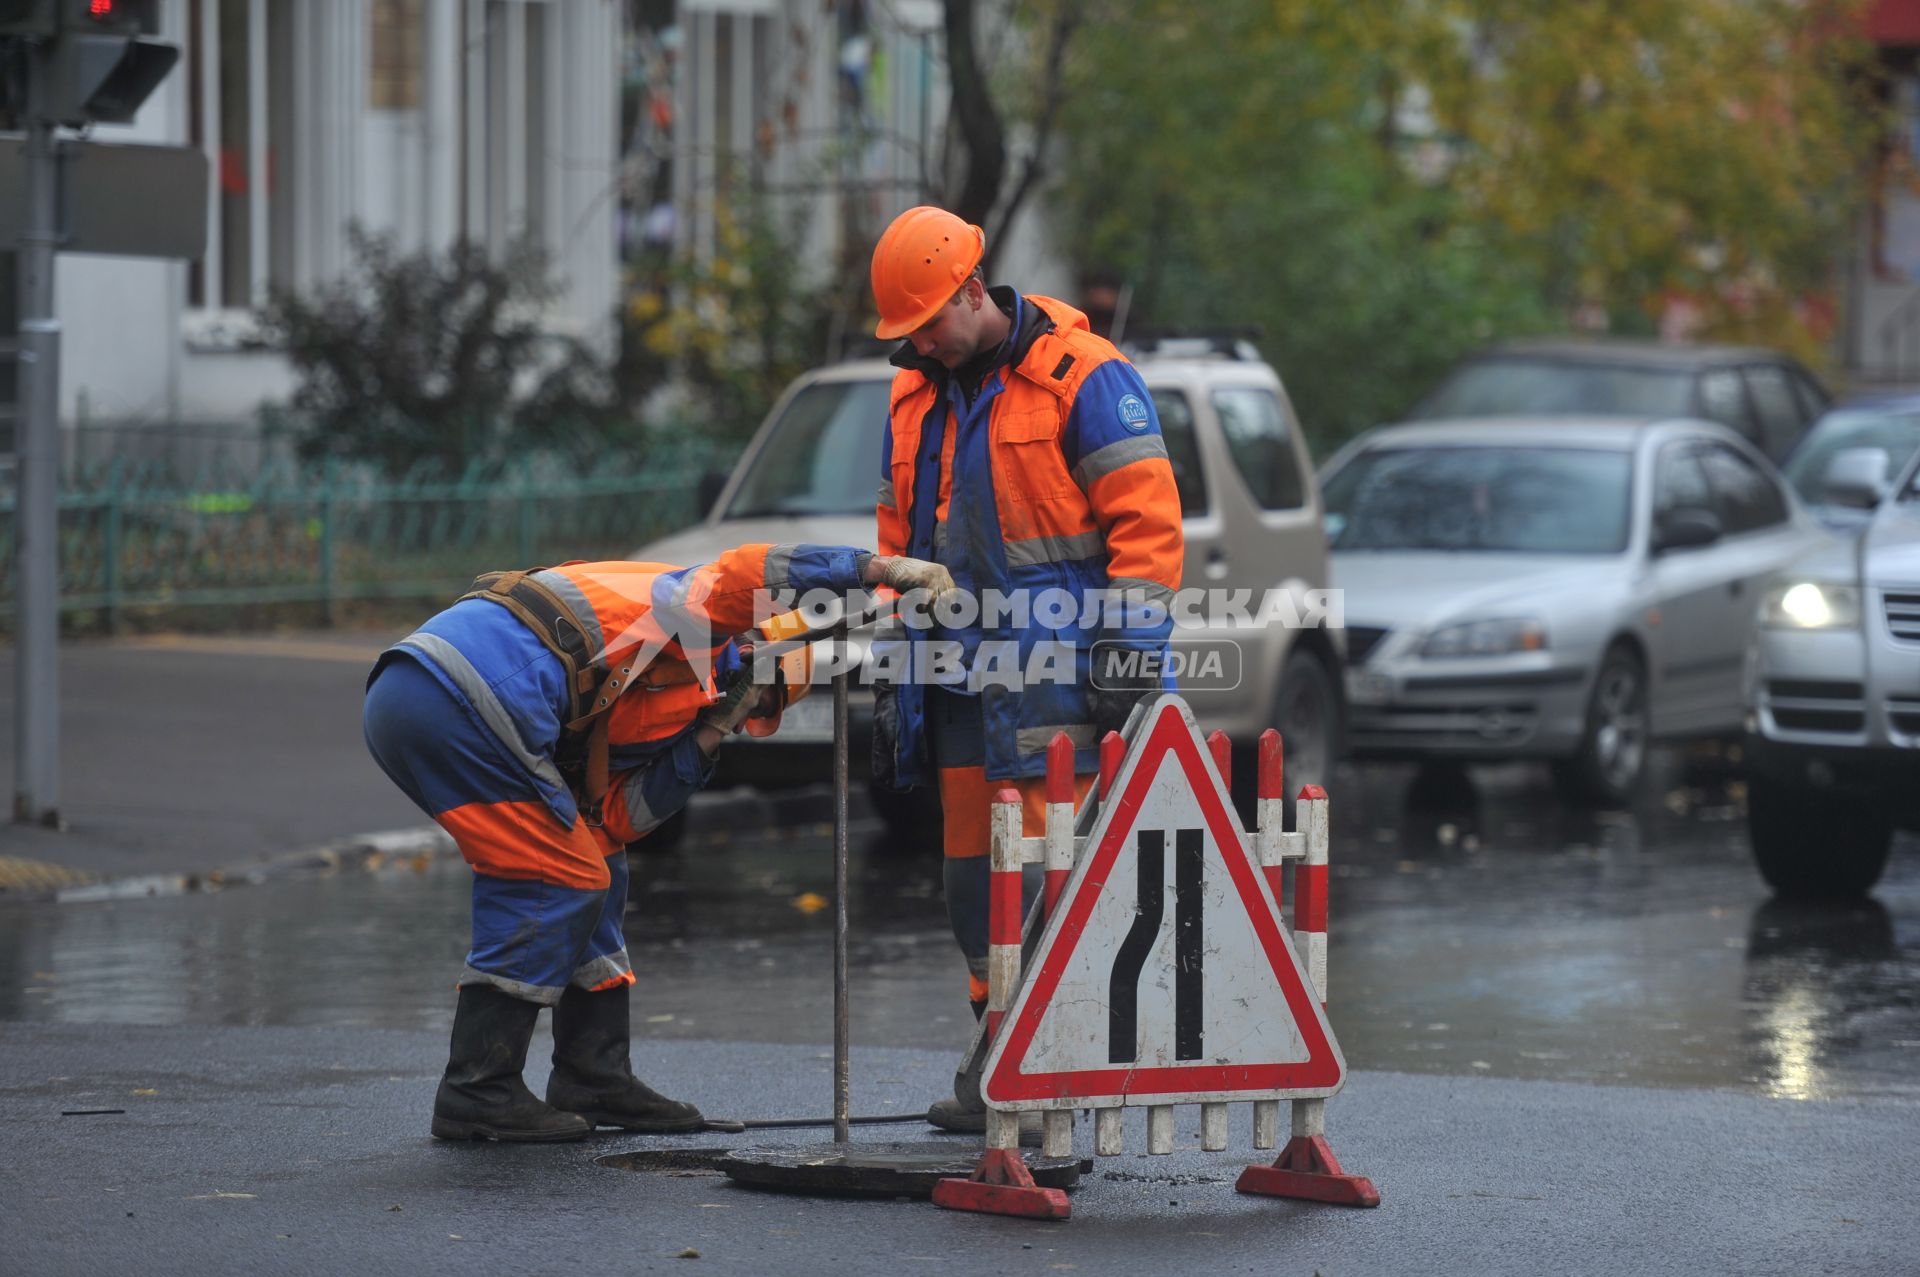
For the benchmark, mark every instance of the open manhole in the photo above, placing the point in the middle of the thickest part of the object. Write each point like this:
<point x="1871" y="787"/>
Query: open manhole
<point x="875" y="1169"/>
<point x="667" y="1161"/>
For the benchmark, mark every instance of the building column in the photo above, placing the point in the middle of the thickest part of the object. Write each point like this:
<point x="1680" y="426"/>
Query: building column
<point x="583" y="171"/>
<point x="440" y="133"/>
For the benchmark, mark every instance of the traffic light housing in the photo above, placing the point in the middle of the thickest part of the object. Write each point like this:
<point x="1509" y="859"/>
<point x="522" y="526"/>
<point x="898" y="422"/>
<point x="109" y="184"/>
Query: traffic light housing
<point x="96" y="68"/>
<point x="29" y="17"/>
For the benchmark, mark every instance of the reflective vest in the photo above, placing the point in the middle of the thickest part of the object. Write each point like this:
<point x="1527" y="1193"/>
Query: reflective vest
<point x="1054" y="477"/>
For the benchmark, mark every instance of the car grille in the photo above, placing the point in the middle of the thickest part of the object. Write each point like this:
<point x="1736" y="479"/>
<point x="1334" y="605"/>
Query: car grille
<point x="1812" y="705"/>
<point x="1904" y="715"/>
<point x="1903" y="616"/>
<point x="1361" y="640"/>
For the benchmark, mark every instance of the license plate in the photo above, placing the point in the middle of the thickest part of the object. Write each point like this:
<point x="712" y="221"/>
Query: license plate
<point x="1368" y="689"/>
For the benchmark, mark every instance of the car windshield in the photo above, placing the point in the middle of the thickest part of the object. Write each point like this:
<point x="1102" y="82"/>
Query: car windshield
<point x="1501" y="387"/>
<point x="1895" y="433"/>
<point x="822" y="456"/>
<point x="1528" y="500"/>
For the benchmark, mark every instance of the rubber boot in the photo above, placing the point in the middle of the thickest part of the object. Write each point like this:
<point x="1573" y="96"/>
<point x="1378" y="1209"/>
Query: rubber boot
<point x="481" y="1096"/>
<point x="591" y="1072"/>
<point x="965" y="1112"/>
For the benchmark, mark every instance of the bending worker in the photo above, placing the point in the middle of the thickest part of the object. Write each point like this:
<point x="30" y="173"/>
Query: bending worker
<point x="546" y="720"/>
<point x="1024" y="455"/>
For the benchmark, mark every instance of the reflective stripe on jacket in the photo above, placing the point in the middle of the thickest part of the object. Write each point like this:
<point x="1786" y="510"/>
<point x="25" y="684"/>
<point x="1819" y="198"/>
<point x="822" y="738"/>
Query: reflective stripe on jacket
<point x="1054" y="476"/>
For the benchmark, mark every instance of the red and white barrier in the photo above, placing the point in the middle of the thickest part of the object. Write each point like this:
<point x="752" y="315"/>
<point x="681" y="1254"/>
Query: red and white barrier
<point x="1001" y="1182"/>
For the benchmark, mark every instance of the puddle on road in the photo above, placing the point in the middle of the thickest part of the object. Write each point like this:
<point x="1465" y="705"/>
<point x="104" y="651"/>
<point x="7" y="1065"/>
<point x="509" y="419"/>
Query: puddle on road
<point x="1640" y="949"/>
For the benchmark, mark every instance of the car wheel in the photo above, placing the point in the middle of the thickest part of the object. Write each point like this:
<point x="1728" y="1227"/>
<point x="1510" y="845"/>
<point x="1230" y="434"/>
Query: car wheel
<point x="1612" y="758"/>
<point x="1307" y="712"/>
<point x="1810" y="845"/>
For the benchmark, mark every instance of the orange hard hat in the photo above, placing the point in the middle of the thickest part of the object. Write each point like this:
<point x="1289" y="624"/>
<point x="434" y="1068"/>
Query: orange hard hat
<point x="919" y="263"/>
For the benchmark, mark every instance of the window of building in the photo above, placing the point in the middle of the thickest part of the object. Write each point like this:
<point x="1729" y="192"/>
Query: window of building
<point x="394" y="39"/>
<point x="237" y="61"/>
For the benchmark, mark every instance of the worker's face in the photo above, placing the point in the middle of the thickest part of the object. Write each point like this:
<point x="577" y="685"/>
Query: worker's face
<point x="953" y="335"/>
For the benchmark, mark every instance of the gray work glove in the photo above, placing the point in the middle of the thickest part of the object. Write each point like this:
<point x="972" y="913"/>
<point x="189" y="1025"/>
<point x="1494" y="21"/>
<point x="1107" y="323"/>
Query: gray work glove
<point x="904" y="574"/>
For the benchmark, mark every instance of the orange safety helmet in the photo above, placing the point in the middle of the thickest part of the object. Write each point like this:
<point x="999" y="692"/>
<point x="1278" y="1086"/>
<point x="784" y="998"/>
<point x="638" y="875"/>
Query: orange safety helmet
<point x="919" y="263"/>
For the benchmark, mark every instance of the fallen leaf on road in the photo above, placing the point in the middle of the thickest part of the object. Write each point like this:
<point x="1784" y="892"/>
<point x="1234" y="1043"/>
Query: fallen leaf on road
<point x="688" y="1253"/>
<point x="147" y="1090"/>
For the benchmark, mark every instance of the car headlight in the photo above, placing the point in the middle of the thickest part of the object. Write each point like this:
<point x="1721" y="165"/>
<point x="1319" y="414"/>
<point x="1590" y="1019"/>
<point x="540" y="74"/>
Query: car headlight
<point x="1486" y="638"/>
<point x="1811" y="605"/>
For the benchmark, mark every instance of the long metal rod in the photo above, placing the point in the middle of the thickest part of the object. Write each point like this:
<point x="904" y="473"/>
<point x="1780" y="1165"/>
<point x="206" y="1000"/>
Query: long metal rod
<point x="734" y="1125"/>
<point x="842" y="1089"/>
<point x="36" y="793"/>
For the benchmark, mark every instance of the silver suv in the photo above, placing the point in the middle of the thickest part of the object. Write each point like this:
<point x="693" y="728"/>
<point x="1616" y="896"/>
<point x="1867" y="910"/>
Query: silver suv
<point x="1252" y="521"/>
<point x="1833" y="672"/>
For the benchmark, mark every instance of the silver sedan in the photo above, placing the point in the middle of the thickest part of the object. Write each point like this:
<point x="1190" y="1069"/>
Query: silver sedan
<point x="1565" y="589"/>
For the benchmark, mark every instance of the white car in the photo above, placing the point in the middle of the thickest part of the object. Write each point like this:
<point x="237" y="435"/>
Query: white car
<point x="1252" y="523"/>
<point x="1833" y="675"/>
<point x="1566" y="589"/>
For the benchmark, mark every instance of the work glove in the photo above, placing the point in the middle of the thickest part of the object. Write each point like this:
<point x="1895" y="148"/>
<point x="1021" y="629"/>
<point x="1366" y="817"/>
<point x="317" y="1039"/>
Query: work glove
<point x="735" y="705"/>
<point x="904" y="574"/>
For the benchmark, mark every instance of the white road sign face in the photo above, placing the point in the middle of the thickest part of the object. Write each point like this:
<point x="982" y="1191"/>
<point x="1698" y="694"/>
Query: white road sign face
<point x="1164" y="975"/>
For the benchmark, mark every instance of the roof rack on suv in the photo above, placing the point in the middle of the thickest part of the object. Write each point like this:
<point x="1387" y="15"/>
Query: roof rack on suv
<point x="1191" y="343"/>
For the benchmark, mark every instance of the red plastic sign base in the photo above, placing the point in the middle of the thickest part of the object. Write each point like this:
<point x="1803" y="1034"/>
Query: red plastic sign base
<point x="1307" y="1169"/>
<point x="1002" y="1185"/>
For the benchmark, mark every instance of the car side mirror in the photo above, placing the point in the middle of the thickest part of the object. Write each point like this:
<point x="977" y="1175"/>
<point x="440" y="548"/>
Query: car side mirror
<point x="1856" y="477"/>
<point x="1685" y="529"/>
<point x="708" y="491"/>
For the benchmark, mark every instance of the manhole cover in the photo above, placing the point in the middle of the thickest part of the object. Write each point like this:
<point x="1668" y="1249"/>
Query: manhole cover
<point x="875" y="1169"/>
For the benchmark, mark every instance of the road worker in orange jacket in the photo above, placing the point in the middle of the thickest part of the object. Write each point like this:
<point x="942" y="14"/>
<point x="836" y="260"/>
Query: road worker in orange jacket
<point x="546" y="720"/>
<point x="1023" y="454"/>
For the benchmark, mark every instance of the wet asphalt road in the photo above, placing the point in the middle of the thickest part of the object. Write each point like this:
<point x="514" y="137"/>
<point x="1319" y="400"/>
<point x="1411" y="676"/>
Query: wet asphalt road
<point x="1480" y="927"/>
<point x="1578" y="1042"/>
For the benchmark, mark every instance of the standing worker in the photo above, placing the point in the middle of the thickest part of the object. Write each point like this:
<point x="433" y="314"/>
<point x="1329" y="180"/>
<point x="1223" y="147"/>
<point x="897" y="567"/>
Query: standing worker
<point x="546" y="720"/>
<point x="1024" y="455"/>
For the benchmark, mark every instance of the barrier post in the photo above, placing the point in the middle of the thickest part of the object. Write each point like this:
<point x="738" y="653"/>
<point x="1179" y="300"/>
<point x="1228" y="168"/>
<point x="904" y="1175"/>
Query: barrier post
<point x="1001" y="1184"/>
<point x="1307" y="1167"/>
<point x="1057" y="1124"/>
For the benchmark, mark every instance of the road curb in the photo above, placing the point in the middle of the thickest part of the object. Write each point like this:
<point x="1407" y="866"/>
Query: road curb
<point x="365" y="852"/>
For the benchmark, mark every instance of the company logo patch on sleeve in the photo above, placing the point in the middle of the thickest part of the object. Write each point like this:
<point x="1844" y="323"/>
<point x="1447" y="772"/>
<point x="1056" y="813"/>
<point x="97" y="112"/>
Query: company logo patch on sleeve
<point x="1134" y="414"/>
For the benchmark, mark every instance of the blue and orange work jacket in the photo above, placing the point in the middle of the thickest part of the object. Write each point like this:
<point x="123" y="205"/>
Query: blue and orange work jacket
<point x="675" y="624"/>
<point x="1054" y="476"/>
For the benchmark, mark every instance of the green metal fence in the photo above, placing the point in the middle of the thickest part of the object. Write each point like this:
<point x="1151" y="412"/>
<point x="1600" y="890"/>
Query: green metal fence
<point x="328" y="534"/>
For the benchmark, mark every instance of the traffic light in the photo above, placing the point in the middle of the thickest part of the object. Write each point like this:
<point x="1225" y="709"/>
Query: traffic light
<point x="97" y="70"/>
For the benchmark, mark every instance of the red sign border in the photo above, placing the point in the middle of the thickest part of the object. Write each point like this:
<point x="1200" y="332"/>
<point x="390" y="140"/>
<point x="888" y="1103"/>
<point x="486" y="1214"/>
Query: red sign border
<point x="1320" y="1070"/>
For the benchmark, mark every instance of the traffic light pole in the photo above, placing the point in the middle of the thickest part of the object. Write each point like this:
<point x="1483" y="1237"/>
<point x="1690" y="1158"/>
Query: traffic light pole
<point x="36" y="796"/>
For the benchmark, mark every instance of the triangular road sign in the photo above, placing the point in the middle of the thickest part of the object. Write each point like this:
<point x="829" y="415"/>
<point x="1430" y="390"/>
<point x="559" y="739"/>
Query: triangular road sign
<point x="1164" y="975"/>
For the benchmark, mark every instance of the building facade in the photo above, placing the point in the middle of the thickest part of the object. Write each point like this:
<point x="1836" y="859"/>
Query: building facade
<point x="424" y="120"/>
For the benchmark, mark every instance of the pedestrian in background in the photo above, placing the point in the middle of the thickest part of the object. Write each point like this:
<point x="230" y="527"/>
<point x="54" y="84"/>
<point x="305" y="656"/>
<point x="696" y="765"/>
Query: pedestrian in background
<point x="546" y="720"/>
<point x="1023" y="453"/>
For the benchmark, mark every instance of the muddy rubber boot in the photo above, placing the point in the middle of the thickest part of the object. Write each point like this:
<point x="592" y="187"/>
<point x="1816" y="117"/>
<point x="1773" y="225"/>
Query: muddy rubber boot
<point x="964" y="1112"/>
<point x="592" y="1075"/>
<point x="481" y="1095"/>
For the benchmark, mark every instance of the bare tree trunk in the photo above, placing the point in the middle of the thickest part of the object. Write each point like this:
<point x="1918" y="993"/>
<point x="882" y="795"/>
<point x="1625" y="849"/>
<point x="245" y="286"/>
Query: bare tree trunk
<point x="980" y="128"/>
<point x="1067" y="16"/>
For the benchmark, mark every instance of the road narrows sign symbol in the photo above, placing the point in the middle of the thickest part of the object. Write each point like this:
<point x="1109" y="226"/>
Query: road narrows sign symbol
<point x="1165" y="974"/>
